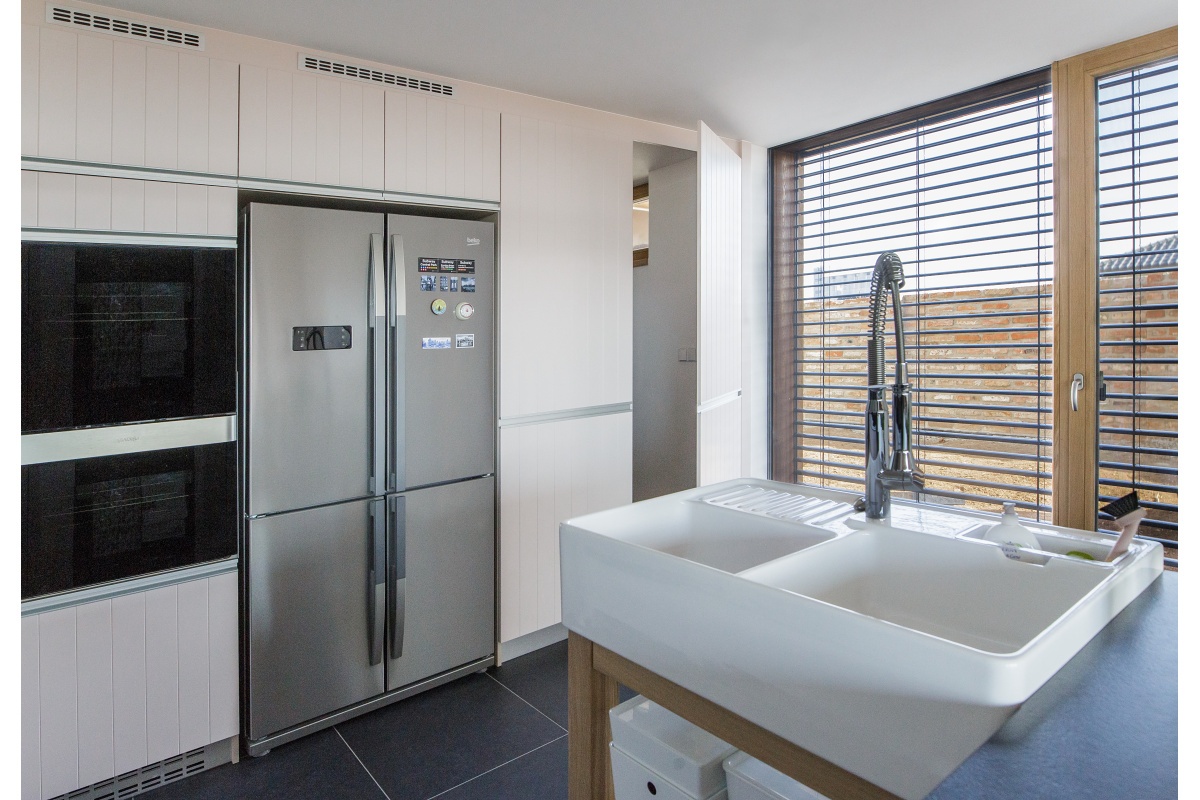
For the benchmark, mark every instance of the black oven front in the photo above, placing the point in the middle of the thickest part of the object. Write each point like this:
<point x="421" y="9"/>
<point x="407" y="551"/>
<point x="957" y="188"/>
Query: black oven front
<point x="115" y="333"/>
<point x="99" y="519"/>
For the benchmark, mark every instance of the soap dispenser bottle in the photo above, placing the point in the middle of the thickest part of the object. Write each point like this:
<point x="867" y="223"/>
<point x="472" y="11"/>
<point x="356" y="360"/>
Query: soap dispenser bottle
<point x="1010" y="533"/>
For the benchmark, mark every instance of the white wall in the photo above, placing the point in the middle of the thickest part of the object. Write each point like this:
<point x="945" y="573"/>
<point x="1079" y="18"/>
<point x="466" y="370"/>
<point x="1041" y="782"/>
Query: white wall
<point x="664" y="321"/>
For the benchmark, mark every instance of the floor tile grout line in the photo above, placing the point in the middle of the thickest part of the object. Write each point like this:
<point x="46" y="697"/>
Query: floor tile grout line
<point x="526" y="702"/>
<point x="360" y="762"/>
<point x="498" y="766"/>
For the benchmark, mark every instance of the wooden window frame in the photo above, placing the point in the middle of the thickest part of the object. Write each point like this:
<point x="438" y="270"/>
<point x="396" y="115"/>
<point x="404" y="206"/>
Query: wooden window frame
<point x="1073" y="89"/>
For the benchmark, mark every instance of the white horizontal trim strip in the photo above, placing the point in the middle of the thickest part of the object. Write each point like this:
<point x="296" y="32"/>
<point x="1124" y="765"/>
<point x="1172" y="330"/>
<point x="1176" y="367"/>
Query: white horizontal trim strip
<point x="718" y="401"/>
<point x="571" y="413"/>
<point x="142" y="583"/>
<point x="322" y="189"/>
<point x="441" y="202"/>
<point x="42" y="448"/>
<point x="76" y="236"/>
<point x="36" y="164"/>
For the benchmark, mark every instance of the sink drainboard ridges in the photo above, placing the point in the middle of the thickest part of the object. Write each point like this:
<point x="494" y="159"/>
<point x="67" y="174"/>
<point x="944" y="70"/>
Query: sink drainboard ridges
<point x="781" y="505"/>
<point x="738" y="493"/>
<point x="794" y="507"/>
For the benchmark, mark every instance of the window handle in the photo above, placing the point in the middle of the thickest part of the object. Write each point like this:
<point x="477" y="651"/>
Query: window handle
<point x="1076" y="385"/>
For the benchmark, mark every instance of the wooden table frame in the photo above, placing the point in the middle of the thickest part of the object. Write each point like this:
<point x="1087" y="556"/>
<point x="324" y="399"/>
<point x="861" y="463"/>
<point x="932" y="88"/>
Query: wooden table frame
<point x="593" y="673"/>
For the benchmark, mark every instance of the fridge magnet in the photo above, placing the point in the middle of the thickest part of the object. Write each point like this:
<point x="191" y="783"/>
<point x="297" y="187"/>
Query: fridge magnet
<point x="468" y="284"/>
<point x="438" y="306"/>
<point x="428" y="283"/>
<point x="445" y="283"/>
<point x="427" y="265"/>
<point x="464" y="340"/>
<point x="453" y="284"/>
<point x="435" y="342"/>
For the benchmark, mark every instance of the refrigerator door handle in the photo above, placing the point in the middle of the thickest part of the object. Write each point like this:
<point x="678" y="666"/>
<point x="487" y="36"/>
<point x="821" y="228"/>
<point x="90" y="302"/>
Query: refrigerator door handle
<point x="377" y="321"/>
<point x="396" y="574"/>
<point x="399" y="312"/>
<point x="376" y="584"/>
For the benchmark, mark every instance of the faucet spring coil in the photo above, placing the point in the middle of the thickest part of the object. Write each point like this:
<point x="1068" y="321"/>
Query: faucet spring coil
<point x="875" y="361"/>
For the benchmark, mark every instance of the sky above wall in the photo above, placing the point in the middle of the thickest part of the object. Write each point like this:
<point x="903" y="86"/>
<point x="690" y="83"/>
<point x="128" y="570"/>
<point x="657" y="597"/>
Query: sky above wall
<point x="768" y="71"/>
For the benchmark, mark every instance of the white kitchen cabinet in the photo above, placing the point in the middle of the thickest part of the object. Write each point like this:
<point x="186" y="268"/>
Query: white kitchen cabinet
<point x="61" y="201"/>
<point x="107" y="100"/>
<point x="301" y="128"/>
<point x="117" y="684"/>
<point x="440" y="147"/>
<point x="548" y="472"/>
<point x="565" y="292"/>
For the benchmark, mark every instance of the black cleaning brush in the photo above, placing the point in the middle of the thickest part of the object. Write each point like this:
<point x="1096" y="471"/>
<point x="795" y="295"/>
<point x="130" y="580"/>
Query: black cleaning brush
<point x="1127" y="514"/>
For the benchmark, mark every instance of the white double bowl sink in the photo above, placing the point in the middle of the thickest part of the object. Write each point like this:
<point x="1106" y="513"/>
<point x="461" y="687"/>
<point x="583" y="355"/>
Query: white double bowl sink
<point x="893" y="649"/>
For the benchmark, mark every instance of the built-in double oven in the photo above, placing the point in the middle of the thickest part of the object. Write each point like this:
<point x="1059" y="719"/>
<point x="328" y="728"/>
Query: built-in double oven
<point x="128" y="396"/>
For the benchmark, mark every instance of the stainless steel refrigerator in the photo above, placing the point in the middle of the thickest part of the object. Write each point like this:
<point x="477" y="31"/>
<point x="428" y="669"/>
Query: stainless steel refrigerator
<point x="368" y="453"/>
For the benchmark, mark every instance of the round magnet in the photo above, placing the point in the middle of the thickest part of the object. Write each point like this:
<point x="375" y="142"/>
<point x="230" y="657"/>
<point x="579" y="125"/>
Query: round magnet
<point x="464" y="310"/>
<point x="438" y="306"/>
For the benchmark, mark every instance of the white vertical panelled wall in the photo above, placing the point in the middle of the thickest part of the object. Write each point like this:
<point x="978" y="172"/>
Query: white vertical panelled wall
<point x="106" y="100"/>
<point x="58" y="201"/>
<point x="550" y="472"/>
<point x="565" y="306"/>
<point x="440" y="147"/>
<point x="719" y="318"/>
<point x="302" y="128"/>
<point x="566" y="339"/>
<point x="113" y="685"/>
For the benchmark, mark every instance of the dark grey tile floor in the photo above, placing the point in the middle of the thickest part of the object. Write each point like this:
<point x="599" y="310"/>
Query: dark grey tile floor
<point x="497" y="735"/>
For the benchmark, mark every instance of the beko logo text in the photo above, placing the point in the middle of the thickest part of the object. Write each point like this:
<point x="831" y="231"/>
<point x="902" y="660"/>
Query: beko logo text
<point x="472" y="241"/>
<point x="129" y="438"/>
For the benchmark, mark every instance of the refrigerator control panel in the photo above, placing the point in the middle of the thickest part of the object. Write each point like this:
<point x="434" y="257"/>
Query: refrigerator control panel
<point x="321" y="337"/>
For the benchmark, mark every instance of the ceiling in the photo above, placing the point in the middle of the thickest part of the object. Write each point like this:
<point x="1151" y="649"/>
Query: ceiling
<point x="768" y="71"/>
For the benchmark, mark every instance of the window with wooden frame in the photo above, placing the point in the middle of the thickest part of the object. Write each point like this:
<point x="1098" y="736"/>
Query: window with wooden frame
<point x="1008" y="293"/>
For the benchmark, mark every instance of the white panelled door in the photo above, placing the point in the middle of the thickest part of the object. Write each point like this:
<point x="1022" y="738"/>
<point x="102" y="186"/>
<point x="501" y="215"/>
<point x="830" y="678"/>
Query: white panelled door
<point x="719" y="317"/>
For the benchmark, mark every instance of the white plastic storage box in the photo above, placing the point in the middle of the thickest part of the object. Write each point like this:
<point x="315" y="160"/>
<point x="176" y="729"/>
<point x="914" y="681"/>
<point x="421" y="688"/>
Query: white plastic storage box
<point x="685" y="755"/>
<point x="751" y="779"/>
<point x="633" y="780"/>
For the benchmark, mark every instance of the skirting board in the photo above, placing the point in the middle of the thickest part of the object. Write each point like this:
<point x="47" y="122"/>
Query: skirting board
<point x="518" y="647"/>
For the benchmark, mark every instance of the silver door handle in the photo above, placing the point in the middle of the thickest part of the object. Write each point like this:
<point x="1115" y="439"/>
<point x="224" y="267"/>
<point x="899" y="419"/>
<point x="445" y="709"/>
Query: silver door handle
<point x="376" y="584"/>
<point x="397" y="562"/>
<point x="1076" y="385"/>
<point x="397" y="477"/>
<point x="377" y="321"/>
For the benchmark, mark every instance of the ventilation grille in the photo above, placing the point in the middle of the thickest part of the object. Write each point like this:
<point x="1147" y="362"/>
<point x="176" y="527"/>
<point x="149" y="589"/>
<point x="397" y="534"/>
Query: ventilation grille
<point x="314" y="64"/>
<point x="152" y="776"/>
<point x="124" y="27"/>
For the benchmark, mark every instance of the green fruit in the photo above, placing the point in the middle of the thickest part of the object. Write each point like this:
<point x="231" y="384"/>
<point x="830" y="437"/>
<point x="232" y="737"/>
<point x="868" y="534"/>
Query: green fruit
<point x="1081" y="554"/>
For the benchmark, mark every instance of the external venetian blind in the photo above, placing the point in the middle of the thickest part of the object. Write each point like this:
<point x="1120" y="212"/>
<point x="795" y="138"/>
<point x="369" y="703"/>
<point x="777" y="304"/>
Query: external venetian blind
<point x="962" y="191"/>
<point x="1138" y="293"/>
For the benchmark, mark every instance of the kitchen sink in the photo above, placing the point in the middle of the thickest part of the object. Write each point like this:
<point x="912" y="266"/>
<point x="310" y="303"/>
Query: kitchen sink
<point x="893" y="648"/>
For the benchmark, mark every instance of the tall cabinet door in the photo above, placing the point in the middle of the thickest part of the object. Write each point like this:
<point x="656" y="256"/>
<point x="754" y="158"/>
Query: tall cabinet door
<point x="442" y="579"/>
<point x="313" y="613"/>
<point x="719" y="312"/>
<point x="311" y="369"/>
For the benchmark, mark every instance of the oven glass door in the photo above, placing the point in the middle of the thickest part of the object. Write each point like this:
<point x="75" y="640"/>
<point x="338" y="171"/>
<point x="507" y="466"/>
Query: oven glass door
<point x="96" y="520"/>
<point x="125" y="333"/>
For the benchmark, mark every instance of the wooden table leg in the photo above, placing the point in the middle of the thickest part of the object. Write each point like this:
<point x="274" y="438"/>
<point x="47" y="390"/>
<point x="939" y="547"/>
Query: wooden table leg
<point x="590" y="694"/>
